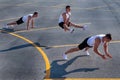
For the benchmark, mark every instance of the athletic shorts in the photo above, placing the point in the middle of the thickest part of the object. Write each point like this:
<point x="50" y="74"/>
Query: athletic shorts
<point x="61" y="24"/>
<point x="84" y="44"/>
<point x="19" y="21"/>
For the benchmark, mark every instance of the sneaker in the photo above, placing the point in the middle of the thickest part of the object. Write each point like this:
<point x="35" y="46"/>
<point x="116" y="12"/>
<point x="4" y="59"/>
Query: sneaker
<point x="84" y="27"/>
<point x="71" y="30"/>
<point x="65" y="56"/>
<point x="87" y="53"/>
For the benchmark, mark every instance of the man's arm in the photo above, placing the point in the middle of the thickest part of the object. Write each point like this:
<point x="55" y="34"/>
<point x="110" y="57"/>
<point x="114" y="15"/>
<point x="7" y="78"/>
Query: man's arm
<point x="28" y="22"/>
<point x="32" y="23"/>
<point x="65" y="22"/>
<point x="96" y="45"/>
<point x="106" y="49"/>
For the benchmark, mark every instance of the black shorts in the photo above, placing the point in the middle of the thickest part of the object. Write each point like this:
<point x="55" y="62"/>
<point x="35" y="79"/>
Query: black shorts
<point x="19" y="21"/>
<point x="61" y="24"/>
<point x="84" y="44"/>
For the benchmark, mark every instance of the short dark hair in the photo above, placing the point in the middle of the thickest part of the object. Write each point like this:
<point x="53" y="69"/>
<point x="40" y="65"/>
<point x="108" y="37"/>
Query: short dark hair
<point x="108" y="36"/>
<point x="35" y="13"/>
<point x="68" y="6"/>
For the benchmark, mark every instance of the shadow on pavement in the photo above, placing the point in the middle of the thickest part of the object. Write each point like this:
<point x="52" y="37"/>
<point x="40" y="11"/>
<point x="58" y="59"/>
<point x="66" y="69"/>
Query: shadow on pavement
<point x="22" y="46"/>
<point x="59" y="71"/>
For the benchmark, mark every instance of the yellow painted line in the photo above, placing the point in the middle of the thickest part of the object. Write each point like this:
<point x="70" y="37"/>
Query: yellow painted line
<point x="27" y="3"/>
<point x="20" y="31"/>
<point x="60" y="46"/>
<point x="55" y="6"/>
<point x="117" y="41"/>
<point x="47" y="63"/>
<point x="9" y="19"/>
<point x="85" y="23"/>
<point x="91" y="8"/>
<point x="112" y="10"/>
<point x="70" y="45"/>
<point x="58" y="6"/>
<point x="84" y="79"/>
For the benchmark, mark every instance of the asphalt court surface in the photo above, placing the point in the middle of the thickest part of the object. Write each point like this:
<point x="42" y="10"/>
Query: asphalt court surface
<point x="37" y="54"/>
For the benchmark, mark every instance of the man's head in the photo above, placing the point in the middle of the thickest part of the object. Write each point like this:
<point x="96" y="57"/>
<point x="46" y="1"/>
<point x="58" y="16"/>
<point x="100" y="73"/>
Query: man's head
<point x="108" y="37"/>
<point x="35" y="14"/>
<point x="68" y="8"/>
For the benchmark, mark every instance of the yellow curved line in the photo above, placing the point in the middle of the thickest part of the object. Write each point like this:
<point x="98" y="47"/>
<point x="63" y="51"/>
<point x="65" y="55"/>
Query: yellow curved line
<point x="47" y="63"/>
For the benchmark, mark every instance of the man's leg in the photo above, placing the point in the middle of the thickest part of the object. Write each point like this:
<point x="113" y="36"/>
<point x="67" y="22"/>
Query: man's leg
<point x="81" y="46"/>
<point x="75" y="25"/>
<point x="12" y="23"/>
<point x="66" y="27"/>
<point x="70" y="51"/>
<point x="86" y="50"/>
<point x="18" y="22"/>
<point x="78" y="26"/>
